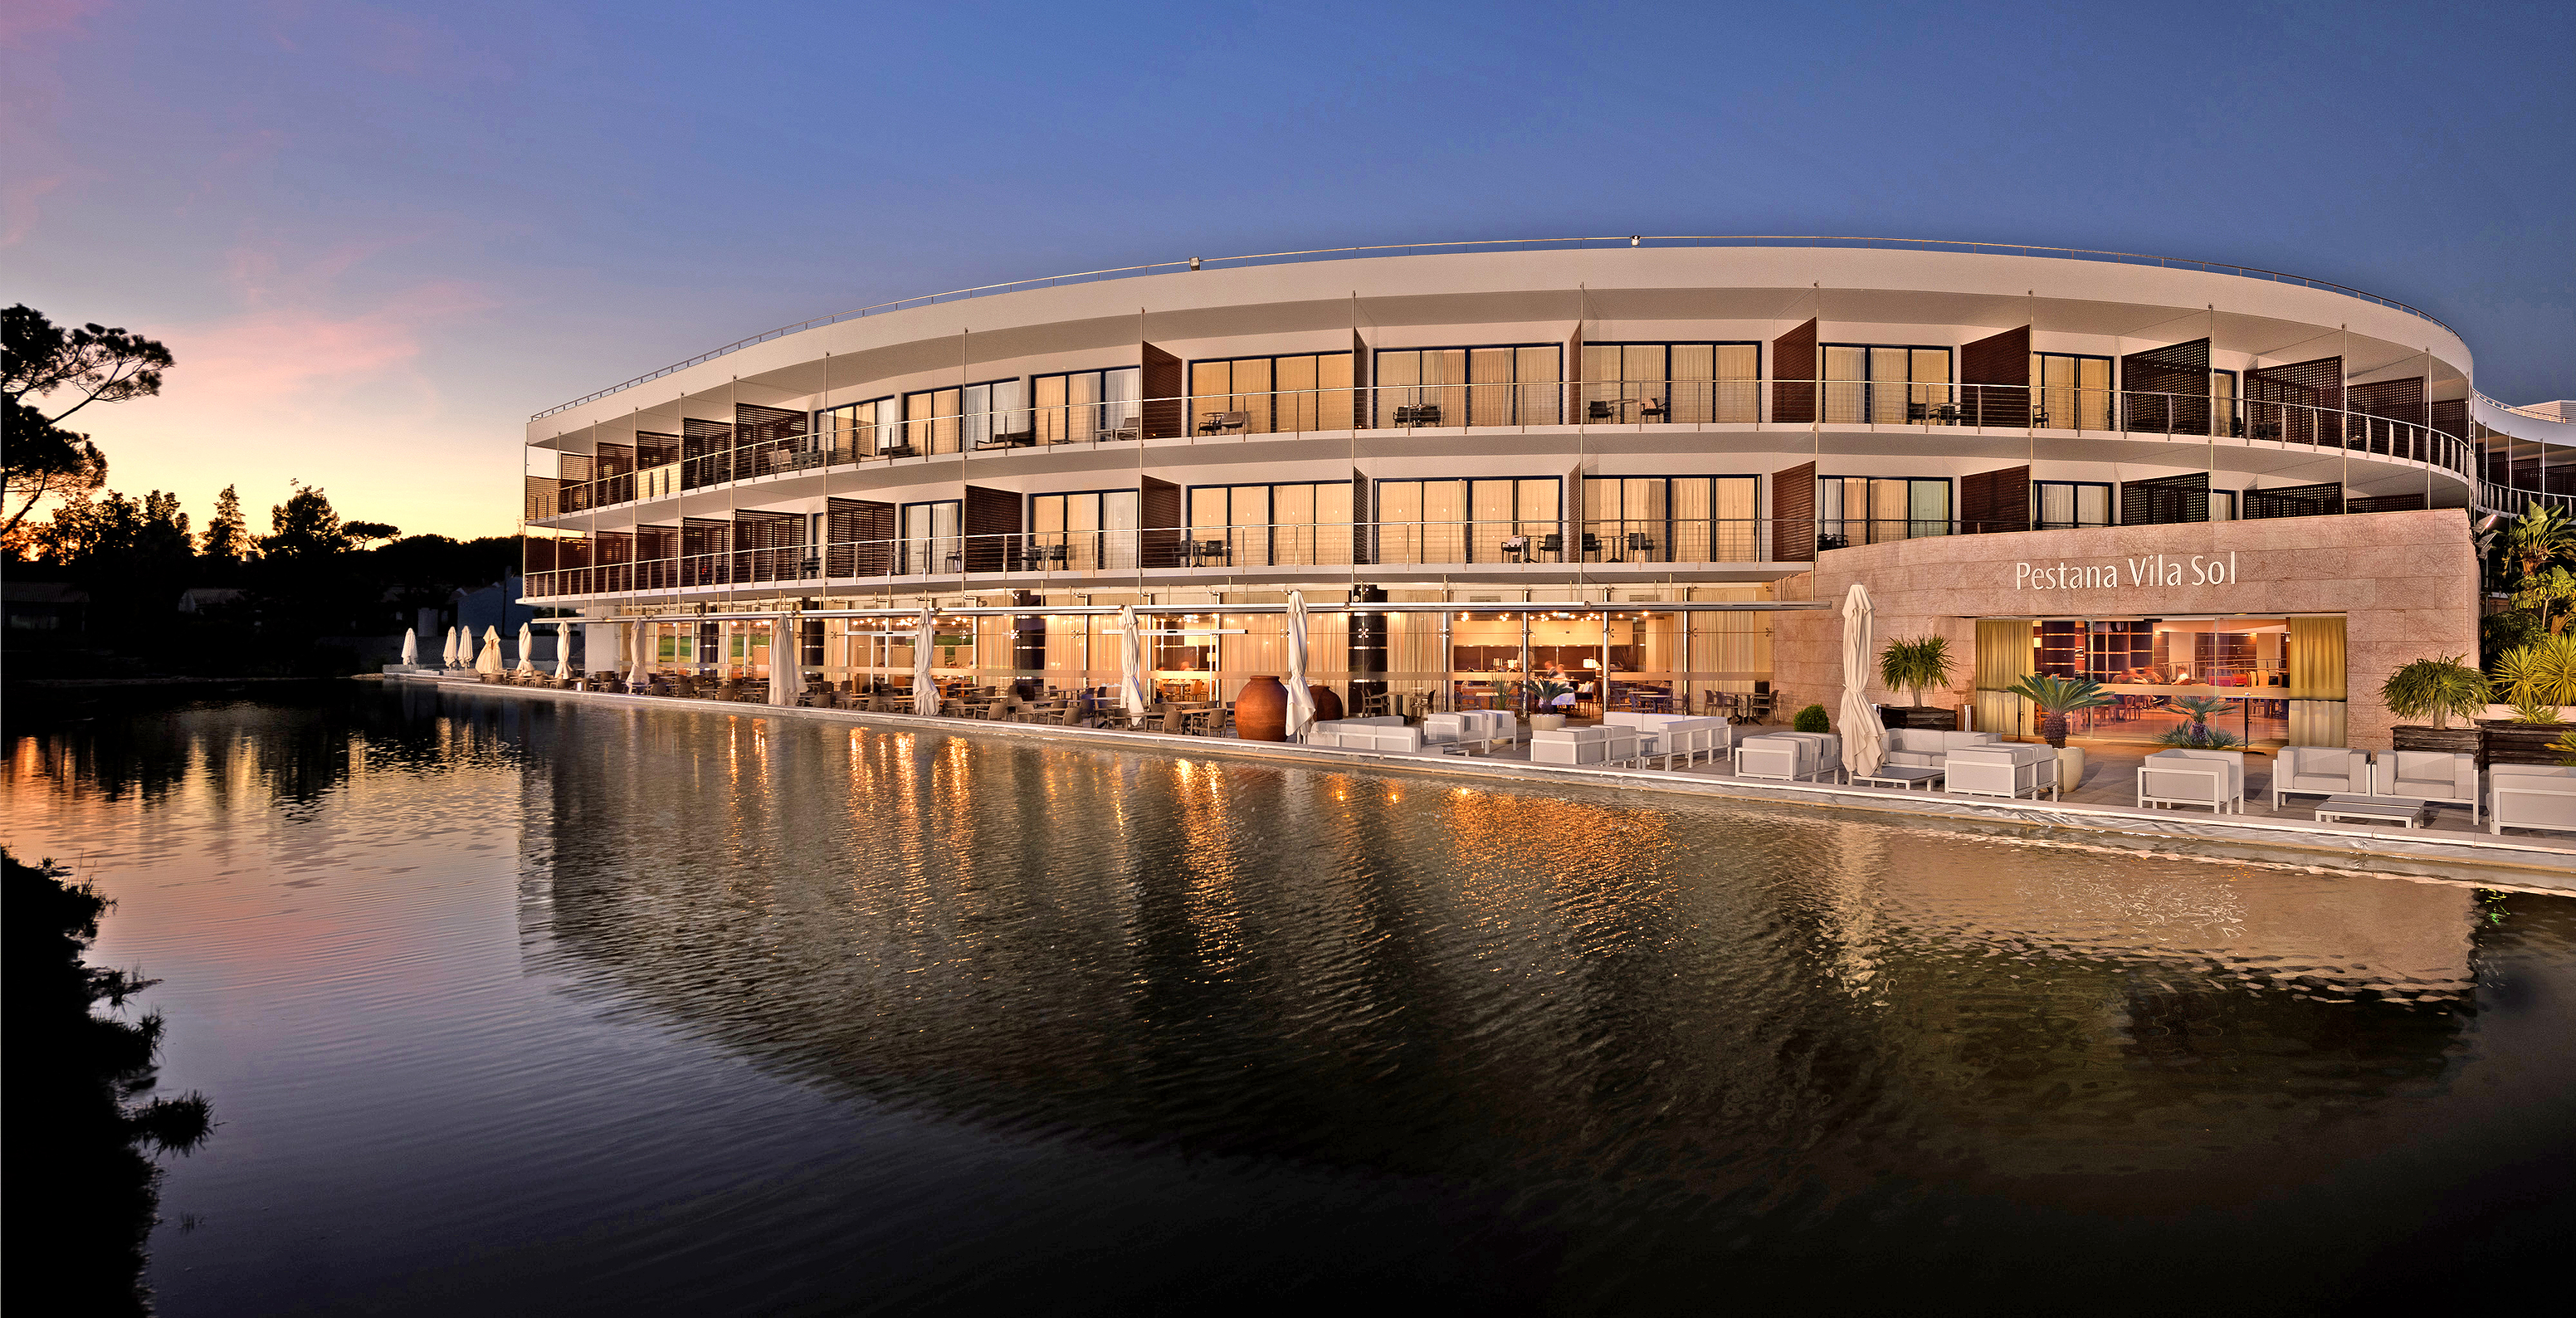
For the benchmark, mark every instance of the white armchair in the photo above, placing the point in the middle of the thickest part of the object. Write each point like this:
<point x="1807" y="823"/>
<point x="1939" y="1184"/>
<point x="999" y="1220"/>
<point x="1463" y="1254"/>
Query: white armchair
<point x="2007" y="769"/>
<point x="2324" y="771"/>
<point x="1788" y="756"/>
<point x="1925" y="748"/>
<point x="1619" y="744"/>
<point x="2541" y="797"/>
<point x="2450" y="777"/>
<point x="2181" y="776"/>
<point x="1568" y="746"/>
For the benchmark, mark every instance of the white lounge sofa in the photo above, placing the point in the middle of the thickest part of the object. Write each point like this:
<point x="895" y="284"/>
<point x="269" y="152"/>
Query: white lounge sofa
<point x="1569" y="746"/>
<point x="2541" y="797"/>
<point x="1687" y="736"/>
<point x="2321" y="771"/>
<point x="2450" y="777"/>
<point x="2007" y="769"/>
<point x="2180" y="776"/>
<point x="1926" y="748"/>
<point x="1357" y="733"/>
<point x="1789" y="756"/>
<point x="1481" y="728"/>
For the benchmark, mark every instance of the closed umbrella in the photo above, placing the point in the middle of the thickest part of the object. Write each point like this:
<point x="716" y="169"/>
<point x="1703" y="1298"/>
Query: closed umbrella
<point x="527" y="649"/>
<point x="490" y="660"/>
<point x="785" y="664"/>
<point x="447" y="654"/>
<point x="563" y="650"/>
<point x="925" y="695"/>
<point x="634" y="657"/>
<point x="411" y="648"/>
<point x="1131" y="662"/>
<point x="1301" y="702"/>
<point x="1864" y="742"/>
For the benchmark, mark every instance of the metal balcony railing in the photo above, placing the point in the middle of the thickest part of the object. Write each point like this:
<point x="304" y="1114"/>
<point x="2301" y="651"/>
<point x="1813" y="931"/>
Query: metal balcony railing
<point x="1427" y="411"/>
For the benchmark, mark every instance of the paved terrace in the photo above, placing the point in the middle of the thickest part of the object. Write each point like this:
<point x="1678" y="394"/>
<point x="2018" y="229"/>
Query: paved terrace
<point x="2101" y="811"/>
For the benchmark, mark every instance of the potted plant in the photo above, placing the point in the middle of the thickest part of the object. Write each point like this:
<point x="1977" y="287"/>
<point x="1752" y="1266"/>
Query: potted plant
<point x="2055" y="698"/>
<point x="2197" y="734"/>
<point x="1917" y="665"/>
<point x="1811" y="719"/>
<point x="1543" y="695"/>
<point x="2536" y="679"/>
<point x="2435" y="689"/>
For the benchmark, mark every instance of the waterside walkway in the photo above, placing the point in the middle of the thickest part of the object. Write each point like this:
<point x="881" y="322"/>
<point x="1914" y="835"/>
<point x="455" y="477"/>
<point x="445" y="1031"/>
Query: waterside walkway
<point x="2099" y="813"/>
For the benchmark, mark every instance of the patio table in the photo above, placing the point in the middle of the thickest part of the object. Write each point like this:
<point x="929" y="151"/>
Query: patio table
<point x="2406" y="810"/>
<point x="1903" y="777"/>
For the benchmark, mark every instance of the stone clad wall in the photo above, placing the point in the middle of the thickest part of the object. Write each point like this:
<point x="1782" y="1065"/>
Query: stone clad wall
<point x="2407" y="583"/>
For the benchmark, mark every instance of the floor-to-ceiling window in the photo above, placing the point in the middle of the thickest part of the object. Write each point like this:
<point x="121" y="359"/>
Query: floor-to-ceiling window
<point x="997" y="413"/>
<point x="1868" y="510"/>
<point x="930" y="538"/>
<point x="1885" y="383"/>
<point x="861" y="430"/>
<point x="1088" y="531"/>
<point x="1685" y="382"/>
<point x="1503" y="519"/>
<point x="2254" y="680"/>
<point x="2224" y="419"/>
<point x="1670" y="519"/>
<point x="2074" y="391"/>
<point x="1263" y="395"/>
<point x="1503" y="385"/>
<point x="1261" y="525"/>
<point x="2065" y="505"/>
<point x="1081" y="406"/>
<point x="930" y="420"/>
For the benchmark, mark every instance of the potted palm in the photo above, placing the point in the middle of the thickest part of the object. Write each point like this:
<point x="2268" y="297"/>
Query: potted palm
<point x="1917" y="665"/>
<point x="2195" y="733"/>
<point x="2055" y="698"/>
<point x="2435" y="689"/>
<point x="1543" y="694"/>
<point x="2536" y="679"/>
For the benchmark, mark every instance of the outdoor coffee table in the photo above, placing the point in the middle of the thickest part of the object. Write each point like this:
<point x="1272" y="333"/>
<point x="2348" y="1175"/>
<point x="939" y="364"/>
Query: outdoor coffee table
<point x="2405" y="810"/>
<point x="1900" y="776"/>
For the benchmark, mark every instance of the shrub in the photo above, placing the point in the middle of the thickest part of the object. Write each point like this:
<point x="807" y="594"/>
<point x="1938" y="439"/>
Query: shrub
<point x="1915" y="665"/>
<point x="2435" y="689"/>
<point x="1811" y="719"/>
<point x="2541" y="673"/>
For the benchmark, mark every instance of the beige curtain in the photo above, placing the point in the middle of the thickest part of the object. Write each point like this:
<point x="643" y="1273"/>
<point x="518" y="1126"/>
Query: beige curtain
<point x="2317" y="679"/>
<point x="2003" y="658"/>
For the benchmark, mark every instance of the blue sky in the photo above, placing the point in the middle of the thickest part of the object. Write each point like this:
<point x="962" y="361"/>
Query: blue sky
<point x="378" y="236"/>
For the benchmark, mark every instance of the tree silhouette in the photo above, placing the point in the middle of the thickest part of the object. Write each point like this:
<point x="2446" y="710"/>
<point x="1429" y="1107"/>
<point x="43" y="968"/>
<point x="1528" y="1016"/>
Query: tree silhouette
<point x="93" y="364"/>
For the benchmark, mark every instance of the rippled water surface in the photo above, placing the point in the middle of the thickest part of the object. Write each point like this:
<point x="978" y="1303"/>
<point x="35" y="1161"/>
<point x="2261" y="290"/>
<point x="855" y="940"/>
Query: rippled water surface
<point x="523" y="1007"/>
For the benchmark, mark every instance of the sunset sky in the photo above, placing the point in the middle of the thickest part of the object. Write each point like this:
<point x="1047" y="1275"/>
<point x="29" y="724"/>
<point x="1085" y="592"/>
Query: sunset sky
<point x="377" y="237"/>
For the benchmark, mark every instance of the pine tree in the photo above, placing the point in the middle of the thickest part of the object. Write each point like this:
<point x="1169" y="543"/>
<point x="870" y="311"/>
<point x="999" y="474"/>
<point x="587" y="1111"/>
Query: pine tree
<point x="227" y="541"/>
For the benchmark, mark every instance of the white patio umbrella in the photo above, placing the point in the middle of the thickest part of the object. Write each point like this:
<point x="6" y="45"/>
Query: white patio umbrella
<point x="527" y="649"/>
<point x="634" y="656"/>
<point x="490" y="660"/>
<point x="785" y="663"/>
<point x="411" y="648"/>
<point x="1864" y="742"/>
<point x="925" y="694"/>
<point x="563" y="649"/>
<point x="447" y="655"/>
<point x="1132" y="692"/>
<point x="1301" y="702"/>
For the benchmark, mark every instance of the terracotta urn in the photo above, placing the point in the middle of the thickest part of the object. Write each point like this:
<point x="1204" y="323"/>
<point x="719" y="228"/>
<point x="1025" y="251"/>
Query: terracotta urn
<point x="1327" y="704"/>
<point x="1261" y="711"/>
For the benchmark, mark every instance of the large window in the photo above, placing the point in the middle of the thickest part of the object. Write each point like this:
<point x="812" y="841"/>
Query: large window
<point x="930" y="421"/>
<point x="1084" y="532"/>
<point x="2223" y="416"/>
<point x="1511" y="385"/>
<point x="1671" y="382"/>
<point x="2065" y="505"/>
<point x="2277" y="678"/>
<point x="1885" y="384"/>
<point x="1263" y="525"/>
<point x="1261" y="395"/>
<point x="861" y="430"/>
<point x="930" y="540"/>
<point x="1081" y="406"/>
<point x="1869" y="510"/>
<point x="997" y="414"/>
<point x="1670" y="519"/>
<point x="2074" y="392"/>
<point x="1470" y="521"/>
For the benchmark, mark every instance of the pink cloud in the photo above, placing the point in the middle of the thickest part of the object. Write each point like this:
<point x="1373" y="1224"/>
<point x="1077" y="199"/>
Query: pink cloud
<point x="18" y="208"/>
<point x="23" y="21"/>
<point x="290" y="359"/>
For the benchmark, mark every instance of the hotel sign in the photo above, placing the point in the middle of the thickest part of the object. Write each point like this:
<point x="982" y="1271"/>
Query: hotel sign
<point x="2117" y="573"/>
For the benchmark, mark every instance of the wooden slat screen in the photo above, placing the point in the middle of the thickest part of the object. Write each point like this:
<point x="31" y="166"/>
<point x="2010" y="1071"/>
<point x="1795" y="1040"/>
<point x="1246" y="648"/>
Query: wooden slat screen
<point x="2386" y="503"/>
<point x="1999" y="359"/>
<point x="1995" y="501"/>
<point x="1159" y="510"/>
<point x="1793" y="513"/>
<point x="991" y="520"/>
<point x="766" y="545"/>
<point x="2280" y="401"/>
<point x="2167" y="389"/>
<point x="657" y="557"/>
<point x="862" y="533"/>
<point x="2165" y="500"/>
<point x="2450" y="417"/>
<point x="2391" y="410"/>
<point x="1794" y="370"/>
<point x="2295" y="501"/>
<point x="1166" y="414"/>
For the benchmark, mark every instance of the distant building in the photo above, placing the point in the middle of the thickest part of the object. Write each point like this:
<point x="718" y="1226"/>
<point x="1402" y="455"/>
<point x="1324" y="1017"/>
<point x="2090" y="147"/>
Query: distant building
<point x="44" y="606"/>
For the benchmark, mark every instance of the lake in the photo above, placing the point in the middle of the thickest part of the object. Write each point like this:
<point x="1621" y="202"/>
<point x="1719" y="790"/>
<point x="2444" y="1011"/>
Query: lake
<point x="520" y="1006"/>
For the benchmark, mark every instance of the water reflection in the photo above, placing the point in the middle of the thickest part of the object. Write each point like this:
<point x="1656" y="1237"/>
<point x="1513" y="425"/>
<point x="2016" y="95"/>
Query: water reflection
<point x="1543" y="1049"/>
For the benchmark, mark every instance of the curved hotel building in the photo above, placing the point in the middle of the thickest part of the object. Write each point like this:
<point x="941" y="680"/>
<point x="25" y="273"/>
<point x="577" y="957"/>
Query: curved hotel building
<point x="1653" y="465"/>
